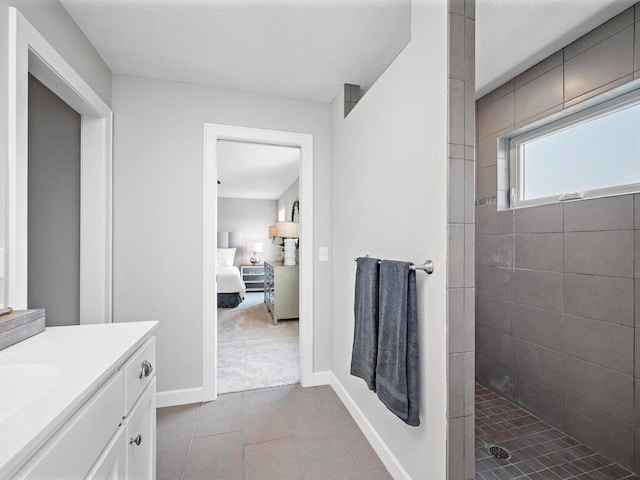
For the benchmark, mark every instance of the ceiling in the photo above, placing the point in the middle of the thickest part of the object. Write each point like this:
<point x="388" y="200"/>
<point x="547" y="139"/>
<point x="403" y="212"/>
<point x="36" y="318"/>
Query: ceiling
<point x="513" y="35"/>
<point x="256" y="171"/>
<point x="307" y="49"/>
<point x="303" y="49"/>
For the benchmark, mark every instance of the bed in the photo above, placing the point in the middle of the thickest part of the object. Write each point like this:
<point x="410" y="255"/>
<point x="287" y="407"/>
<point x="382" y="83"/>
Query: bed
<point x="231" y="288"/>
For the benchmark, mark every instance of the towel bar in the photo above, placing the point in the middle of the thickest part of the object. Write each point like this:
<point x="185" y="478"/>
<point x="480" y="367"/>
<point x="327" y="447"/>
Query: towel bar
<point x="427" y="266"/>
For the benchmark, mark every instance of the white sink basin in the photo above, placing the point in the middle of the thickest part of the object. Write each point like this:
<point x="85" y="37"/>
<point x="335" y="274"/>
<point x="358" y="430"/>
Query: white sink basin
<point x="23" y="384"/>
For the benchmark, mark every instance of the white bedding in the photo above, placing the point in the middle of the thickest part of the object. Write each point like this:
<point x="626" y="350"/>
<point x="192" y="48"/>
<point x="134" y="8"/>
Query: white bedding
<point x="230" y="281"/>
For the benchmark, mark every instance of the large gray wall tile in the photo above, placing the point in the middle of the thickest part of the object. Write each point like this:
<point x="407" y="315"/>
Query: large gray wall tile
<point x="637" y="47"/>
<point x="637" y="253"/>
<point x="637" y="301"/>
<point x="455" y="447"/>
<point x="609" y="213"/>
<point x="539" y="363"/>
<point x="637" y="353"/>
<point x="496" y="116"/>
<point x="496" y="376"/>
<point x="606" y="344"/>
<point x="456" y="43"/>
<point x="543" y="219"/>
<point x="604" y="433"/>
<point x="456" y="111"/>
<point x="469" y="114"/>
<point x="456" y="7"/>
<point x="455" y="258"/>
<point x="469" y="191"/>
<point x="495" y="314"/>
<point x="600" y="387"/>
<point x="537" y="325"/>
<point x="610" y="299"/>
<point x="599" y="253"/>
<point x="539" y="399"/>
<point x="539" y="69"/>
<point x="495" y="282"/>
<point x="487" y="182"/>
<point x="469" y="319"/>
<point x="601" y="64"/>
<point x="495" y="95"/>
<point x="469" y="58"/>
<point x="598" y="34"/>
<point x="455" y="319"/>
<point x="456" y="190"/>
<point x="493" y="222"/>
<point x="540" y="251"/>
<point x="461" y="381"/>
<point x="469" y="255"/>
<point x="539" y="289"/>
<point x="487" y="151"/>
<point x="495" y="345"/>
<point x="539" y="95"/>
<point x="636" y="205"/>
<point x="603" y="89"/>
<point x="494" y="250"/>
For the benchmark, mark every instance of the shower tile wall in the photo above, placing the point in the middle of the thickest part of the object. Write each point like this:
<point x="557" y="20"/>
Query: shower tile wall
<point x="461" y="242"/>
<point x="558" y="286"/>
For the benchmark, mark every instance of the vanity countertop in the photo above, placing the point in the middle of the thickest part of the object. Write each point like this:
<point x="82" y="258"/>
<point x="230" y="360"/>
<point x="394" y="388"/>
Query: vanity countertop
<point x="45" y="378"/>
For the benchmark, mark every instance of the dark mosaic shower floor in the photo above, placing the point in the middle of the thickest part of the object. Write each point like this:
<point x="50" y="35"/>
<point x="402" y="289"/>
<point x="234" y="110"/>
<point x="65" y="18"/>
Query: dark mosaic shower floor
<point x="538" y="450"/>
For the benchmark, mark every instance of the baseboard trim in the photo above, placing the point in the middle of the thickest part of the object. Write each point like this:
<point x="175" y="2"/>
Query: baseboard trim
<point x="321" y="378"/>
<point x="381" y="448"/>
<point x="172" y="398"/>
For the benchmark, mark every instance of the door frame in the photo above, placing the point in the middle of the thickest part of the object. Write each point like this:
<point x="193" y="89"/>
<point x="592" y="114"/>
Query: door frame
<point x="30" y="53"/>
<point x="213" y="133"/>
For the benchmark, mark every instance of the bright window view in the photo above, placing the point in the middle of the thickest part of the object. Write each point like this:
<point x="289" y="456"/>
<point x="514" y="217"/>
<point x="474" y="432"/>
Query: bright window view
<point x="599" y="152"/>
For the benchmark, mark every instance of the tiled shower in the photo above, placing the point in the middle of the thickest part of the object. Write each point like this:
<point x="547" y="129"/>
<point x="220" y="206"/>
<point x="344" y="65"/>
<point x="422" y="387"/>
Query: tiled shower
<point x="558" y="286"/>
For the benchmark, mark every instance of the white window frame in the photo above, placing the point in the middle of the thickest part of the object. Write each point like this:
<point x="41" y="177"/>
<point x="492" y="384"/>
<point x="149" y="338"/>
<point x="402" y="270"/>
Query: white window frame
<point x="510" y="148"/>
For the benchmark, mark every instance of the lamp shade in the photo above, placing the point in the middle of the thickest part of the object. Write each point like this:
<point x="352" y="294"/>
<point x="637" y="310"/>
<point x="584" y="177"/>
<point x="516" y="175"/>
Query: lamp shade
<point x="255" y="247"/>
<point x="287" y="229"/>
<point x="272" y="231"/>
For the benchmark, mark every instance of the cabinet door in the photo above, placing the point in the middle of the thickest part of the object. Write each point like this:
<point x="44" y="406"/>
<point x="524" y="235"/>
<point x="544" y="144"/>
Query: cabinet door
<point x="141" y="437"/>
<point x="112" y="463"/>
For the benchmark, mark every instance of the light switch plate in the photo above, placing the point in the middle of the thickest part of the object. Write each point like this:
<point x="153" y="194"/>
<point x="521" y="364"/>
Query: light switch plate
<point x="323" y="254"/>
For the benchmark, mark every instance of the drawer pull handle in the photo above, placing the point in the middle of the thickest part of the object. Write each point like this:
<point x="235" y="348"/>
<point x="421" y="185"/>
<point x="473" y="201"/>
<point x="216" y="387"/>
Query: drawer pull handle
<point x="145" y="369"/>
<point x="137" y="440"/>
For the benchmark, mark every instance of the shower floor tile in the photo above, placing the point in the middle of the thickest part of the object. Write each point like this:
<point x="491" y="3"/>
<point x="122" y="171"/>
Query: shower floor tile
<point x="538" y="450"/>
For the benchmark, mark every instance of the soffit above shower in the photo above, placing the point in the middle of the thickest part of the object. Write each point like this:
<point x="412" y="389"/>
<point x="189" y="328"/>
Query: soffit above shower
<point x="304" y="49"/>
<point x="514" y="35"/>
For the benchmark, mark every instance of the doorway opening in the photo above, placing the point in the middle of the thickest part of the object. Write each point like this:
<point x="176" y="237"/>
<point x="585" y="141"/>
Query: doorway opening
<point x="258" y="295"/>
<point x="31" y="54"/>
<point x="254" y="340"/>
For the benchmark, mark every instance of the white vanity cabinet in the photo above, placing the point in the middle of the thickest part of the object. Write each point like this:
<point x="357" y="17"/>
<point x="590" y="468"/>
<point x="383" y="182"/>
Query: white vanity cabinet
<point x="112" y="435"/>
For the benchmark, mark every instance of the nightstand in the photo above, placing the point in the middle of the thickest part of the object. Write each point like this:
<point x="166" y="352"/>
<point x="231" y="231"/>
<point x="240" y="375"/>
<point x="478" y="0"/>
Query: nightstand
<point x="253" y="277"/>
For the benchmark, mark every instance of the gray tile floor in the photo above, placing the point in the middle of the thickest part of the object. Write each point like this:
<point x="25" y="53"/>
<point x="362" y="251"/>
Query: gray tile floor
<point x="283" y="433"/>
<point x="538" y="450"/>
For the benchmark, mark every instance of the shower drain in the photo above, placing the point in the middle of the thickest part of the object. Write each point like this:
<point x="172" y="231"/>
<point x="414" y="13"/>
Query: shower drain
<point x="499" y="452"/>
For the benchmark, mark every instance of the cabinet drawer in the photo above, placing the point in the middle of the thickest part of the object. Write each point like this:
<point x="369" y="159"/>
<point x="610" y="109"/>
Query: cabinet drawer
<point x="72" y="451"/>
<point x="113" y="462"/>
<point x="141" y="437"/>
<point x="137" y="374"/>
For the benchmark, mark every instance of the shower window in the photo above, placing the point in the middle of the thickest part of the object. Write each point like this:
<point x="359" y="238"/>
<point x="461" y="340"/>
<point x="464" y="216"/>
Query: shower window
<point x="592" y="150"/>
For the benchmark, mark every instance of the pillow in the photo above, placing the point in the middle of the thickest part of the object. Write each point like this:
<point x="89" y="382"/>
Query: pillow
<point x="226" y="256"/>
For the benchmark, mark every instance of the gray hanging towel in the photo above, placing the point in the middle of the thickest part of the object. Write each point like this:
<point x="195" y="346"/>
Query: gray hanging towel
<point x="397" y="369"/>
<point x="365" y="331"/>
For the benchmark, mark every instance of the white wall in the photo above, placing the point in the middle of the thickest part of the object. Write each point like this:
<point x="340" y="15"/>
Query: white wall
<point x="158" y="208"/>
<point x="53" y="22"/>
<point x="389" y="199"/>
<point x="252" y="219"/>
<point x="288" y="197"/>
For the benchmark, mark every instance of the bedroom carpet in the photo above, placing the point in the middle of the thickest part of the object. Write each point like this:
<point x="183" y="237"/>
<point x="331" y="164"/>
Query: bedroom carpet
<point x="252" y="352"/>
